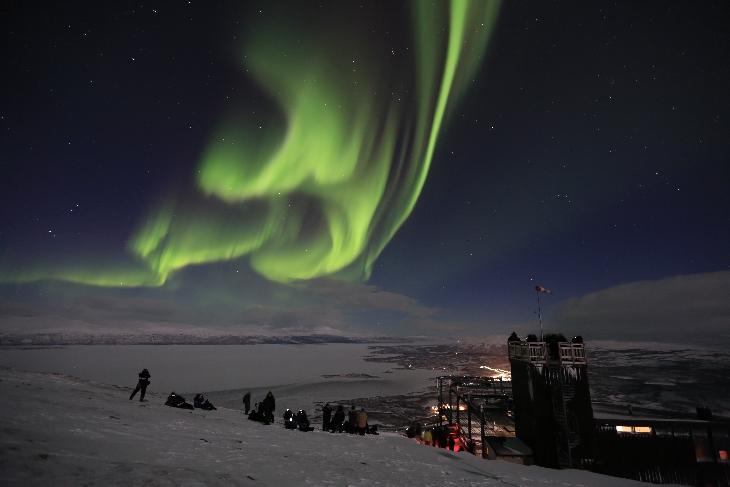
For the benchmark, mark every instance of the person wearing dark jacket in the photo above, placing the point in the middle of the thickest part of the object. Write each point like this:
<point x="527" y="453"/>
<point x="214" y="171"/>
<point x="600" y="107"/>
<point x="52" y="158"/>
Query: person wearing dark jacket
<point x="338" y="420"/>
<point x="246" y="402"/>
<point x="177" y="401"/>
<point x="199" y="401"/>
<point x="303" y="421"/>
<point x="289" y="421"/>
<point x="270" y="401"/>
<point x="254" y="415"/>
<point x="269" y="406"/>
<point x="351" y="420"/>
<point x="326" y="416"/>
<point x="142" y="383"/>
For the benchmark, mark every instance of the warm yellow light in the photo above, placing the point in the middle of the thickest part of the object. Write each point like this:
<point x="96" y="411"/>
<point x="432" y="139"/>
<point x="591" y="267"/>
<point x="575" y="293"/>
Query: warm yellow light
<point x="633" y="429"/>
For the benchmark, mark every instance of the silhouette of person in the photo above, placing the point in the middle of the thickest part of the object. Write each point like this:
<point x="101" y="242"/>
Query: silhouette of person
<point x="351" y="420"/>
<point x="362" y="421"/>
<point x="339" y="419"/>
<point x="269" y="406"/>
<point x="289" y="421"/>
<point x="246" y="402"/>
<point x="326" y="416"/>
<point x="302" y="420"/>
<point x="142" y="383"/>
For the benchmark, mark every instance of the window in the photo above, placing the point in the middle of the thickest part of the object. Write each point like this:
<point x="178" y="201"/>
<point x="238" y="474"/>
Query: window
<point x="633" y="430"/>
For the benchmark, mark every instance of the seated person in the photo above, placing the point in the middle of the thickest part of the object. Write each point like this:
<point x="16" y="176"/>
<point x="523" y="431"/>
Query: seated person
<point x="303" y="421"/>
<point x="289" y="421"/>
<point x="177" y="401"/>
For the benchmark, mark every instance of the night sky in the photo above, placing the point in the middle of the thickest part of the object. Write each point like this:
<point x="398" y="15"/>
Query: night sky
<point x="366" y="168"/>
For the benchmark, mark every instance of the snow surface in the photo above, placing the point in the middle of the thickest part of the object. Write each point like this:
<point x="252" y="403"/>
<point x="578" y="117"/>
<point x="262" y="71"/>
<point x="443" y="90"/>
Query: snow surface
<point x="60" y="430"/>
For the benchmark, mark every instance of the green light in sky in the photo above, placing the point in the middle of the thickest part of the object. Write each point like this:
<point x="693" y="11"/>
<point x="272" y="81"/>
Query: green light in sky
<point x="324" y="193"/>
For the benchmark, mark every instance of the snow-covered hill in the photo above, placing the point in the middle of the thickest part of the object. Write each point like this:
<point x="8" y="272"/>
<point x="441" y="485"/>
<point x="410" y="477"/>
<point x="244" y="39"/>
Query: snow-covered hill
<point x="59" y="430"/>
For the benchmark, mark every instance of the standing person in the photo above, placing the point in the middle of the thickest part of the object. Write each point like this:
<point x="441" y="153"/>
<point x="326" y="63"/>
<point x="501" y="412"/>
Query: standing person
<point x="426" y="436"/>
<point x="246" y="402"/>
<point x="336" y="424"/>
<point x="269" y="406"/>
<point x="142" y="383"/>
<point x="351" y="420"/>
<point x="362" y="421"/>
<point x="326" y="416"/>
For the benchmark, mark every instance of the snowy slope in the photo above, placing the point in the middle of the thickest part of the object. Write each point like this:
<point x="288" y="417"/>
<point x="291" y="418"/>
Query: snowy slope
<point x="59" y="430"/>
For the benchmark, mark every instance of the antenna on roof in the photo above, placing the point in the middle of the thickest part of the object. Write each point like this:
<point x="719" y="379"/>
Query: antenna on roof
<point x="539" y="290"/>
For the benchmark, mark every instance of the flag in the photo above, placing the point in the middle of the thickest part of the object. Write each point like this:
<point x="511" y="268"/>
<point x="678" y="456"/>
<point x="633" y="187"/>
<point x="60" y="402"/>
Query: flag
<point x="542" y="289"/>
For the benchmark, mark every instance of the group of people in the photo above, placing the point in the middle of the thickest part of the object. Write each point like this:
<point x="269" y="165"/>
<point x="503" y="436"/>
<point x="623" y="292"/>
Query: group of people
<point x="263" y="411"/>
<point x="444" y="436"/>
<point x="333" y="420"/>
<point x="356" y="422"/>
<point x="298" y="421"/>
<point x="173" y="400"/>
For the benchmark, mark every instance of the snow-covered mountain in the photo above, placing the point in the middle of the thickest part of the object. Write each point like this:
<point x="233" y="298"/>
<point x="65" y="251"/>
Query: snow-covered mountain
<point x="59" y="430"/>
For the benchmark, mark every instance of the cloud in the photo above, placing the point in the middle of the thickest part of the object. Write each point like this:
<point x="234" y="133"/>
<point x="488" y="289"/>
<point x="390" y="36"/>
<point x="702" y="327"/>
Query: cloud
<point x="359" y="296"/>
<point x="691" y="308"/>
<point x="219" y="306"/>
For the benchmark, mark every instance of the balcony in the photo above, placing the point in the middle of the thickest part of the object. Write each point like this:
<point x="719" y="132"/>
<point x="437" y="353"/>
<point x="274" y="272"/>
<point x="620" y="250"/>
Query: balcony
<point x="541" y="352"/>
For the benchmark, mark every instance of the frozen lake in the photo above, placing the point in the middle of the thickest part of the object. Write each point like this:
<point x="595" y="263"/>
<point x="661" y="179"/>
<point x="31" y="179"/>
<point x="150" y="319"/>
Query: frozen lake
<point x="193" y="368"/>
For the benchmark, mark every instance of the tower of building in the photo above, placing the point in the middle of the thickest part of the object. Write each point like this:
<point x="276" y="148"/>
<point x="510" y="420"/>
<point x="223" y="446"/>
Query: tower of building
<point x="552" y="402"/>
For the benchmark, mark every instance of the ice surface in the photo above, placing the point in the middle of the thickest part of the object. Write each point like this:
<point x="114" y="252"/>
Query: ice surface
<point x="203" y="368"/>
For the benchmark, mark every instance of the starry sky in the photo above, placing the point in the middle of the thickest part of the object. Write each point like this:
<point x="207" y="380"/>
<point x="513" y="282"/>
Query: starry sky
<point x="360" y="168"/>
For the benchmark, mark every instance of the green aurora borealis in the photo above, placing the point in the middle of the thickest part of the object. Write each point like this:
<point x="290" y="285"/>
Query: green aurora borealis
<point x="322" y="189"/>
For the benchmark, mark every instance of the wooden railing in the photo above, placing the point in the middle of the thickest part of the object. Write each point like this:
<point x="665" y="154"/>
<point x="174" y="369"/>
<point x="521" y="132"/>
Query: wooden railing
<point x="537" y="352"/>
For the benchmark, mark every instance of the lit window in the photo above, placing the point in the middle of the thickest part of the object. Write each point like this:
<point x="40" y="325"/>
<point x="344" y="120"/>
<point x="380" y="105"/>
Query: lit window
<point x="633" y="429"/>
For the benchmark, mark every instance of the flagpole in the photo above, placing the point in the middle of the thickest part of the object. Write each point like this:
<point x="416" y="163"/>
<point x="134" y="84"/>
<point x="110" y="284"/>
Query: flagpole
<point x="539" y="312"/>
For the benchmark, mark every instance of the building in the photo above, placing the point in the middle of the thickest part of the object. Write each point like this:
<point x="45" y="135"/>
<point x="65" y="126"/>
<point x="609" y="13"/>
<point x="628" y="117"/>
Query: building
<point x="664" y="450"/>
<point x="552" y="401"/>
<point x="477" y="410"/>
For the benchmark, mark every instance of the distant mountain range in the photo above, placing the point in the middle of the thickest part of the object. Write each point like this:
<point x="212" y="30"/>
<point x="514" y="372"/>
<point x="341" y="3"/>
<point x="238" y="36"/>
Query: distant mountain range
<point x="44" y="339"/>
